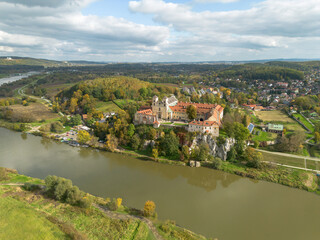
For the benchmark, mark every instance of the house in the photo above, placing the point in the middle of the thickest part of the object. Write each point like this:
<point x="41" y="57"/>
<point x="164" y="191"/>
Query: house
<point x="275" y="128"/>
<point x="204" y="127"/>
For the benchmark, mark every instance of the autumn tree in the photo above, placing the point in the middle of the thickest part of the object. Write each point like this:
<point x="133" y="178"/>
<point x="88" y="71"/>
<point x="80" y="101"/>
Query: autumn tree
<point x="73" y="105"/>
<point x="83" y="137"/>
<point x="155" y="153"/>
<point x="253" y="157"/>
<point x="111" y="142"/>
<point x="149" y="209"/>
<point x="192" y="112"/>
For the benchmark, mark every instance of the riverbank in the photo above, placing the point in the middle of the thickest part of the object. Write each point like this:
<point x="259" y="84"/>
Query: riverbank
<point x="46" y="218"/>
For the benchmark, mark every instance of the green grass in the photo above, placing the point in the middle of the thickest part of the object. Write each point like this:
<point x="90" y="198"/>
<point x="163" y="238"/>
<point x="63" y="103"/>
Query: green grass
<point x="107" y="106"/>
<point x="122" y="102"/>
<point x="264" y="136"/>
<point x="304" y="121"/>
<point x="180" y="124"/>
<point x="166" y="123"/>
<point x="20" y="221"/>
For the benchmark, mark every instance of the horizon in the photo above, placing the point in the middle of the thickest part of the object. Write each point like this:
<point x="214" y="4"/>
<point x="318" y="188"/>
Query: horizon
<point x="156" y="31"/>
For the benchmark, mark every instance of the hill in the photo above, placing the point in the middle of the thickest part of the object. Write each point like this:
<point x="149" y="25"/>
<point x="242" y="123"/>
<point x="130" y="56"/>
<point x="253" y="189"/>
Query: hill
<point x="9" y="61"/>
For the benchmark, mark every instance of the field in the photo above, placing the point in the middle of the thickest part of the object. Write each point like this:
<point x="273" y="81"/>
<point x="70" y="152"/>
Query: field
<point x="304" y="121"/>
<point x="107" y="106"/>
<point x="38" y="111"/>
<point x="122" y="102"/>
<point x="54" y="89"/>
<point x="292" y="161"/>
<point x="273" y="116"/>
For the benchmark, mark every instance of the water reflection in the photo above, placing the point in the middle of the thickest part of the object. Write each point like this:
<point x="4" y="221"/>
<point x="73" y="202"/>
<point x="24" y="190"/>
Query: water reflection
<point x="24" y="136"/>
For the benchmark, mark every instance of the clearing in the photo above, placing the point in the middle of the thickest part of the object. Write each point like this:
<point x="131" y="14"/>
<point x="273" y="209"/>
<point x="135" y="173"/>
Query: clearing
<point x="107" y="106"/>
<point x="36" y="110"/>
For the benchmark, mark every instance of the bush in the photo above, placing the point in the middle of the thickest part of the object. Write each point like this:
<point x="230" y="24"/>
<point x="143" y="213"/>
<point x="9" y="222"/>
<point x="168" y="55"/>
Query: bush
<point x="149" y="209"/>
<point x="31" y="187"/>
<point x="216" y="163"/>
<point x="113" y="205"/>
<point x="3" y="174"/>
<point x="63" y="190"/>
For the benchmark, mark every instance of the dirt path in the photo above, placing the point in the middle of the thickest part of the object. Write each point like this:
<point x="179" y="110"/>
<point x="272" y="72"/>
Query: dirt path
<point x="119" y="216"/>
<point x="11" y="184"/>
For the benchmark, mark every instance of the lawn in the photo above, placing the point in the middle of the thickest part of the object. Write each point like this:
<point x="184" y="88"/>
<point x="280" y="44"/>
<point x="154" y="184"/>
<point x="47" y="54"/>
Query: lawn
<point x="107" y="106"/>
<point x="264" y="136"/>
<point x="304" y="121"/>
<point x="273" y="116"/>
<point x="19" y="221"/>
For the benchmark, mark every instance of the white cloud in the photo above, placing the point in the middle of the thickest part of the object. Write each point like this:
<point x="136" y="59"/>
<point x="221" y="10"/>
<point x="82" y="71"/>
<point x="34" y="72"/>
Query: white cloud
<point x="216" y="1"/>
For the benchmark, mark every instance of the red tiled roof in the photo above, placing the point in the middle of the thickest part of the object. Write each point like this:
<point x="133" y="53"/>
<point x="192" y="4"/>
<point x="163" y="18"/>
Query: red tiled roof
<point x="146" y="112"/>
<point x="204" y="123"/>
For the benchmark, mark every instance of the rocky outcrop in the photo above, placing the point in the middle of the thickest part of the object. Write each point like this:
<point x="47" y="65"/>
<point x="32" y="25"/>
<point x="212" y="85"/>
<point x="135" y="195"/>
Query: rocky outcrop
<point x="216" y="150"/>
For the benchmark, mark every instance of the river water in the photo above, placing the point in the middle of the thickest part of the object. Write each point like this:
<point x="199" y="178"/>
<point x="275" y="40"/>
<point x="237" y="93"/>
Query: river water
<point x="209" y="202"/>
<point x="16" y="77"/>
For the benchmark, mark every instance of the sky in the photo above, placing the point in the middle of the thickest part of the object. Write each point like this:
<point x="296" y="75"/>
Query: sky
<point x="160" y="30"/>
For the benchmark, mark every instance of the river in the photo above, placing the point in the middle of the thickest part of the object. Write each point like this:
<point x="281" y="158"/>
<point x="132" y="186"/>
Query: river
<point x="16" y="77"/>
<point x="209" y="202"/>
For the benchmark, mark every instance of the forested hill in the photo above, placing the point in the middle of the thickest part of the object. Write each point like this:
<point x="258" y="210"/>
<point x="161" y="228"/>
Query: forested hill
<point x="261" y="71"/>
<point x="10" y="61"/>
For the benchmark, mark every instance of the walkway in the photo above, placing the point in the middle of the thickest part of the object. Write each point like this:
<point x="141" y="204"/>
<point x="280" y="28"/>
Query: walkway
<point x="120" y="216"/>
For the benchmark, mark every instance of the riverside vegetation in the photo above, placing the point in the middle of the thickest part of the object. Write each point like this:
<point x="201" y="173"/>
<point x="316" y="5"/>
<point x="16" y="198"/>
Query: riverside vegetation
<point x="55" y="209"/>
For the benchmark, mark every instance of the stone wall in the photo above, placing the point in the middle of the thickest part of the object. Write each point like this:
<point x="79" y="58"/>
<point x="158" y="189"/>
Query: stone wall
<point x="216" y="150"/>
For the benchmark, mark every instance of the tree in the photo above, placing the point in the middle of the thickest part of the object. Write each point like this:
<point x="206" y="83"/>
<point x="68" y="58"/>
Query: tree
<point x="155" y="153"/>
<point x="204" y="151"/>
<point x="111" y="142"/>
<point x="241" y="133"/>
<point x="56" y="127"/>
<point x="192" y="112"/>
<point x="152" y="134"/>
<point x="135" y="142"/>
<point x="119" y="202"/>
<point x="83" y="137"/>
<point x="149" y="209"/>
<point x="317" y="137"/>
<point x="169" y="144"/>
<point x="73" y="105"/>
<point x="75" y="120"/>
<point x="185" y="152"/>
<point x="131" y="129"/>
<point x="253" y="158"/>
<point x="232" y="155"/>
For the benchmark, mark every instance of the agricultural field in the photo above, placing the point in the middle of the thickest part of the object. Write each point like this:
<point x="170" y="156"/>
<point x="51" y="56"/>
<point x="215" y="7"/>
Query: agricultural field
<point x="107" y="106"/>
<point x="38" y="111"/>
<point x="54" y="89"/>
<point x="274" y="116"/>
<point x="122" y="102"/>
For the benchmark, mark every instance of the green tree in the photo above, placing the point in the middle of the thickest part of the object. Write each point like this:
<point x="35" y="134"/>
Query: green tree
<point x="135" y="142"/>
<point x="131" y="130"/>
<point x="169" y="144"/>
<point x="253" y="158"/>
<point x="192" y="112"/>
<point x="204" y="151"/>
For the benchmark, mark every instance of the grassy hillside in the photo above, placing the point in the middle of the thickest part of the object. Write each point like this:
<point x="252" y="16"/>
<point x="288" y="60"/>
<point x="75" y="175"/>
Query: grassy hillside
<point x="33" y="214"/>
<point x="30" y="62"/>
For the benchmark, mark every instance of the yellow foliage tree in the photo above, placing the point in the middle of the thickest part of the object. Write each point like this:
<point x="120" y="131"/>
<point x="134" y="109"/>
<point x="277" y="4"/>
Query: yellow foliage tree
<point x="83" y="137"/>
<point x="149" y="208"/>
<point x="119" y="202"/>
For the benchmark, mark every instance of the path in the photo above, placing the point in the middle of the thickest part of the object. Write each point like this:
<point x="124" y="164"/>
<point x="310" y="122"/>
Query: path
<point x="11" y="184"/>
<point x="120" y="216"/>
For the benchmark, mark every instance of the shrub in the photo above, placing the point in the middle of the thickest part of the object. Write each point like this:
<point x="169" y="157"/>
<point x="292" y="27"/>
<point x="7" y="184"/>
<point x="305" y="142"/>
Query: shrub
<point x="216" y="163"/>
<point x="113" y="205"/>
<point x="3" y="174"/>
<point x="31" y="187"/>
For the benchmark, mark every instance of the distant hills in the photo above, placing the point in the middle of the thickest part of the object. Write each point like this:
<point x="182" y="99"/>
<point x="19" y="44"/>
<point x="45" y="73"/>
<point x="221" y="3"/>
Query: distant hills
<point x="15" y="60"/>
